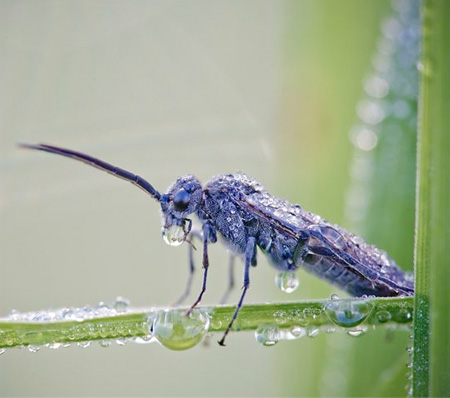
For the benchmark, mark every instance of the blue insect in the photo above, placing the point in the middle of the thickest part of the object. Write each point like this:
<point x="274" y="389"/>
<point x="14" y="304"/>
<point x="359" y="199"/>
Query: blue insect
<point x="247" y="217"/>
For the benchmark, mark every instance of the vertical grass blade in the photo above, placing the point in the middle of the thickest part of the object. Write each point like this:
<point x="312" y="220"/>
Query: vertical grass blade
<point x="431" y="358"/>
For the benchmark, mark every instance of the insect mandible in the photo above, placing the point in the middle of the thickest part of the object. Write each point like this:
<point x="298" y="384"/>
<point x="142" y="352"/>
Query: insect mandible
<point x="247" y="217"/>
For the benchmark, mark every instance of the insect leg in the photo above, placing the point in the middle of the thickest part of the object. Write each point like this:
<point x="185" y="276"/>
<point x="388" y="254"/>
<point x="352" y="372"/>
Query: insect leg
<point x="193" y="234"/>
<point x="249" y="255"/>
<point x="230" y="286"/>
<point x="208" y="235"/>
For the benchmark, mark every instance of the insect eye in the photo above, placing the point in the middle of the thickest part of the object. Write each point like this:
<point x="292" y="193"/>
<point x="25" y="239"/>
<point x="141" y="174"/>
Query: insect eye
<point x="181" y="200"/>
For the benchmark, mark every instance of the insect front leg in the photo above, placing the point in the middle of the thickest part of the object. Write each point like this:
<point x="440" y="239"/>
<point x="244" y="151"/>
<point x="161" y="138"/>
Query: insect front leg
<point x="209" y="235"/>
<point x="250" y="251"/>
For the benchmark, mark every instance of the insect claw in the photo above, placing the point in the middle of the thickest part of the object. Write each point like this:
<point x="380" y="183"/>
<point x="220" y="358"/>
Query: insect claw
<point x="222" y="342"/>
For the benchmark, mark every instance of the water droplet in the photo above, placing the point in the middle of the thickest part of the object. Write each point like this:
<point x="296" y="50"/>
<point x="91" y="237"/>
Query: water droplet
<point x="403" y="315"/>
<point x="83" y="344"/>
<point x="356" y="332"/>
<point x="34" y="348"/>
<point x="173" y="235"/>
<point x="121" y="342"/>
<point x="121" y="304"/>
<point x="144" y="339"/>
<point x="176" y="331"/>
<point x="267" y="335"/>
<point x="105" y="343"/>
<point x="384" y="316"/>
<point x="55" y="346"/>
<point x="216" y="324"/>
<point x="334" y="297"/>
<point x="295" y="332"/>
<point x="348" y="313"/>
<point x="287" y="281"/>
<point x="312" y="331"/>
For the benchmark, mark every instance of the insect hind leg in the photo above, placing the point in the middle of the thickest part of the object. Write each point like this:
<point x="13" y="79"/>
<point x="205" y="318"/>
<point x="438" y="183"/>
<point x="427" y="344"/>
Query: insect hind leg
<point x="249" y="255"/>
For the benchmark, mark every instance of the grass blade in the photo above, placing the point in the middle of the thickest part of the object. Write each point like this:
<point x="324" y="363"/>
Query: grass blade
<point x="431" y="325"/>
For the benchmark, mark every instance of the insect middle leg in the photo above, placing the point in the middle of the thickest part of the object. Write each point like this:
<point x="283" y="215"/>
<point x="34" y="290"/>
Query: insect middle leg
<point x="249" y="258"/>
<point x="230" y="286"/>
<point x="209" y="235"/>
<point x="195" y="233"/>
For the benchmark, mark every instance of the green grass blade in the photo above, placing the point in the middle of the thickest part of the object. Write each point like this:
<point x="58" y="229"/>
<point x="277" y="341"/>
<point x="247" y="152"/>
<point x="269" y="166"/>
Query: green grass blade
<point x="432" y="327"/>
<point x="394" y="312"/>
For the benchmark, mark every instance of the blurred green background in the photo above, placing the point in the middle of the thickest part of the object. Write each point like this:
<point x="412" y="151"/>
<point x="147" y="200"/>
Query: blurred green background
<point x="166" y="88"/>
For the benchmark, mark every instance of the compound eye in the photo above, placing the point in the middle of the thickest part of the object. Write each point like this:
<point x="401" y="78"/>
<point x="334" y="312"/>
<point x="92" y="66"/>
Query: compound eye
<point x="181" y="200"/>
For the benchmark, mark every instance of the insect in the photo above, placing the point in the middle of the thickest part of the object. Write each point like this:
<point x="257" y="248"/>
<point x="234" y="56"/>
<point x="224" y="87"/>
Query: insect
<point x="247" y="217"/>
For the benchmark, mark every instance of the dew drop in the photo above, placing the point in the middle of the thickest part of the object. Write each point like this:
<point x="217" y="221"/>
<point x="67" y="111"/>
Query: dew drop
<point x="287" y="281"/>
<point x="312" y="331"/>
<point x="83" y="344"/>
<point x="267" y="335"/>
<point x="334" y="297"/>
<point x="2" y="351"/>
<point x="217" y="324"/>
<point x="33" y="348"/>
<point x="143" y="339"/>
<point x="55" y="346"/>
<point x="173" y="235"/>
<point x="295" y="332"/>
<point x="384" y="316"/>
<point x="356" y="332"/>
<point x="176" y="331"/>
<point x="121" y="304"/>
<point x="105" y="343"/>
<point x="403" y="315"/>
<point x="348" y="313"/>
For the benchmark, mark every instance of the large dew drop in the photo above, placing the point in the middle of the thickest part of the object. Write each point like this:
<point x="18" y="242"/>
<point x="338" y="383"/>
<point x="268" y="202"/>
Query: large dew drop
<point x="176" y="331"/>
<point x="173" y="235"/>
<point x="287" y="281"/>
<point x="267" y="335"/>
<point x="348" y="313"/>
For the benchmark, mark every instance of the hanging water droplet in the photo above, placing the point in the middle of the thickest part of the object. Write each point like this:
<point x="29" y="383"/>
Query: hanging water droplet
<point x="2" y="351"/>
<point x="34" y="348"/>
<point x="287" y="281"/>
<point x="297" y="331"/>
<point x="348" y="313"/>
<point x="144" y="339"/>
<point x="105" y="343"/>
<point x="55" y="346"/>
<point x="384" y="316"/>
<point x="173" y="235"/>
<point x="121" y="304"/>
<point x="293" y="333"/>
<point x="176" y="331"/>
<point x="356" y="332"/>
<point x="312" y="331"/>
<point x="83" y="344"/>
<point x="267" y="335"/>
<point x="334" y="297"/>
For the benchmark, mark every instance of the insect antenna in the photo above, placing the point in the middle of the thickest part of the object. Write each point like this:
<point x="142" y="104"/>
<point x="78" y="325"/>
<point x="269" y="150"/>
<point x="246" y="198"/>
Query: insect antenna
<point x="99" y="164"/>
